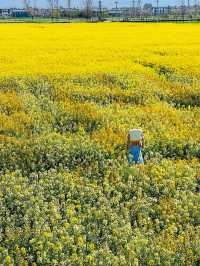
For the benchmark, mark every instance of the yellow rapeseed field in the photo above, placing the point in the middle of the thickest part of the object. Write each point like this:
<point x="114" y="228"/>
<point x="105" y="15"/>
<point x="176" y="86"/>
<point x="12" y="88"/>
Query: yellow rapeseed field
<point x="69" y="93"/>
<point x="91" y="48"/>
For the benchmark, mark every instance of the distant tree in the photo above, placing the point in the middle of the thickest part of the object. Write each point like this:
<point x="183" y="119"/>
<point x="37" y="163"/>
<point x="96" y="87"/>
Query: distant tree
<point x="147" y="9"/>
<point x="148" y="6"/>
<point x="88" y="8"/>
<point x="50" y="3"/>
<point x="26" y="4"/>
<point x="51" y="6"/>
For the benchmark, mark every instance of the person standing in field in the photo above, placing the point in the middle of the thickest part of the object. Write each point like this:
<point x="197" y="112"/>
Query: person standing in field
<point x="135" y="144"/>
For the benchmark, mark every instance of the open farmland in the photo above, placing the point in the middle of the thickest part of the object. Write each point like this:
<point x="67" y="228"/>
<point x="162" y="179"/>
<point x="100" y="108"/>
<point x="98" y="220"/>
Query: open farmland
<point x="68" y="95"/>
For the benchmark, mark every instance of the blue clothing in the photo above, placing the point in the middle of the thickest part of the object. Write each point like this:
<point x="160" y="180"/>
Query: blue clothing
<point x="135" y="155"/>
